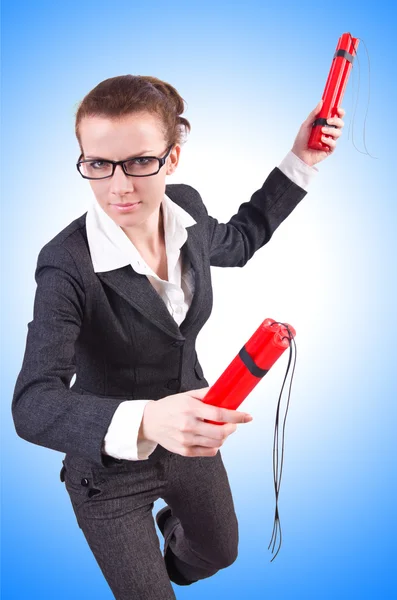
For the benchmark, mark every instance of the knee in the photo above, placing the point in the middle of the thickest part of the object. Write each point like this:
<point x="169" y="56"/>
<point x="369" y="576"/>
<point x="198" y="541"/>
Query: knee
<point x="227" y="546"/>
<point x="226" y="557"/>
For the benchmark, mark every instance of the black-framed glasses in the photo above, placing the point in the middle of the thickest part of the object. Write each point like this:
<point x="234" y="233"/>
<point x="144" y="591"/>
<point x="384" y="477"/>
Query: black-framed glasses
<point x="140" y="166"/>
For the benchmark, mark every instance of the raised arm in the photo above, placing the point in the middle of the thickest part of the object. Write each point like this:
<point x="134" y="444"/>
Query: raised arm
<point x="232" y="244"/>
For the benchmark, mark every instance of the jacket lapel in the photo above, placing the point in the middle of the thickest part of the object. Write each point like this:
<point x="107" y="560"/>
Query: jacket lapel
<point x="137" y="290"/>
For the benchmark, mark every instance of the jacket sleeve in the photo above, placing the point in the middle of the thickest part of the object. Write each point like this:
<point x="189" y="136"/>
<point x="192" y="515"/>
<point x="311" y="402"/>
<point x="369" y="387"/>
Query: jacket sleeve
<point x="232" y="244"/>
<point x="44" y="408"/>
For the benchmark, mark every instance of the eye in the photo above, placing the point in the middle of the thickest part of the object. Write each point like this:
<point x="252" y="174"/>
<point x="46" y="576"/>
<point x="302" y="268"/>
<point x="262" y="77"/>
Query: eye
<point x="141" y="160"/>
<point x="96" y="162"/>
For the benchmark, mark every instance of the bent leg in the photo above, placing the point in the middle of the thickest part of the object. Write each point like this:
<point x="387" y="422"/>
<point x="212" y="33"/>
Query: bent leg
<point x="201" y="536"/>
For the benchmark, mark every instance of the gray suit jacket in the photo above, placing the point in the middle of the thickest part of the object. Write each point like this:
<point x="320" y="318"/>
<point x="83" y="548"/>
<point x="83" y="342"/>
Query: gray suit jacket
<point x="113" y="329"/>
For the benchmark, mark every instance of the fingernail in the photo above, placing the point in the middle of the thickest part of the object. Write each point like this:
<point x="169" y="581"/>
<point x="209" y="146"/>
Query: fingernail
<point x="249" y="417"/>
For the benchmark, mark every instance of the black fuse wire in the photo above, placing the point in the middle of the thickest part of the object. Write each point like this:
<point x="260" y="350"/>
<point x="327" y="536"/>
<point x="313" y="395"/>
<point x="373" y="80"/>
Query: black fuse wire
<point x="276" y="477"/>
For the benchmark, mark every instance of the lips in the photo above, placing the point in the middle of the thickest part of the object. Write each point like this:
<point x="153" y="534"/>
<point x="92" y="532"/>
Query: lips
<point x="125" y="207"/>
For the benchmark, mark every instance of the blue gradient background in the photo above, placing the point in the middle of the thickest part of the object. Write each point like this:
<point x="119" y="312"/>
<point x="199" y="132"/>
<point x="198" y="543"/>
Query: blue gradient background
<point x="250" y="73"/>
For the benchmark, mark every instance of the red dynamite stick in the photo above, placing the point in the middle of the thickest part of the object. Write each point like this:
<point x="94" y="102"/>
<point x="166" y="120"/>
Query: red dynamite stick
<point x="338" y="75"/>
<point x="253" y="361"/>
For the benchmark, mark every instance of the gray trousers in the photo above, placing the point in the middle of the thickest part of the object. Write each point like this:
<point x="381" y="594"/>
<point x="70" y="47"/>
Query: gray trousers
<point x="113" y="507"/>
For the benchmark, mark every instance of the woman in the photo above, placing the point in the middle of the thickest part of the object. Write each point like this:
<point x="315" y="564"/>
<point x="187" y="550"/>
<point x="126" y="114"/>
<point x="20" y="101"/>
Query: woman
<point x="122" y="293"/>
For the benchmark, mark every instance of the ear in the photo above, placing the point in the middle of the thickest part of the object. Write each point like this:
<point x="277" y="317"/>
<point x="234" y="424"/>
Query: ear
<point x="173" y="159"/>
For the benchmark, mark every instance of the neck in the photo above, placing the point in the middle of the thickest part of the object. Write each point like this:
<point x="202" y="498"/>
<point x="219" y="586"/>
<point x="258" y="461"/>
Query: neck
<point x="150" y="237"/>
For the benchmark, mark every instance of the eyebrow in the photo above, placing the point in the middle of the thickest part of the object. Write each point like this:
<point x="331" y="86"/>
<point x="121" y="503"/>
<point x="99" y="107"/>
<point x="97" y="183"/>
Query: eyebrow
<point x="128" y="157"/>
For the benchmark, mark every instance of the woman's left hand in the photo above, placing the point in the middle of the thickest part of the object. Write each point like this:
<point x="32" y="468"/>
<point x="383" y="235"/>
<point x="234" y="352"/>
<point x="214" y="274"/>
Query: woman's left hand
<point x="300" y="148"/>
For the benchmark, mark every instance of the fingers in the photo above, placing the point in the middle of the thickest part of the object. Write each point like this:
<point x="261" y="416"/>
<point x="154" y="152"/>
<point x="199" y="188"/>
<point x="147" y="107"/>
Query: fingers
<point x="195" y="444"/>
<point x="335" y="133"/>
<point x="329" y="141"/>
<point x="198" y="451"/>
<point x="215" y="432"/>
<point x="195" y="437"/>
<point x="215" y="413"/>
<point x="336" y="121"/>
<point x="192" y="439"/>
<point x="331" y="134"/>
<point x="221" y="415"/>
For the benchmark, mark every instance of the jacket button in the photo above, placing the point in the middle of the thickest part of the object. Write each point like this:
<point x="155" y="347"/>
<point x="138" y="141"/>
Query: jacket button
<point x="178" y="343"/>
<point x="85" y="481"/>
<point x="173" y="384"/>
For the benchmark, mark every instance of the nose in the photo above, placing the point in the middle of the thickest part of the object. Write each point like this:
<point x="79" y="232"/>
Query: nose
<point x="120" y="182"/>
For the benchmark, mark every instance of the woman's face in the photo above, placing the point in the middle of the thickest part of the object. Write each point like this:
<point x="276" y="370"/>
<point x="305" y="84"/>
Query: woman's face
<point x="131" y="136"/>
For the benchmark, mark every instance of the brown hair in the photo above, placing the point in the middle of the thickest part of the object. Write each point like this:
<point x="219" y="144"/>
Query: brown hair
<point x="123" y="95"/>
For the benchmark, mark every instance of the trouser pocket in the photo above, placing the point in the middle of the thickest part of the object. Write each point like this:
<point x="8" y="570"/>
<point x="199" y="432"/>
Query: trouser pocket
<point x="79" y="483"/>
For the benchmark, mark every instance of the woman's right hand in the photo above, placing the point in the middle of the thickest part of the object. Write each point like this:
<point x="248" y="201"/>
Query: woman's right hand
<point x="176" y="422"/>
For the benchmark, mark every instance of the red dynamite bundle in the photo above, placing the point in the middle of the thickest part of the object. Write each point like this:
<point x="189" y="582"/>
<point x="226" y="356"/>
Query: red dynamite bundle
<point x="253" y="361"/>
<point x="341" y="65"/>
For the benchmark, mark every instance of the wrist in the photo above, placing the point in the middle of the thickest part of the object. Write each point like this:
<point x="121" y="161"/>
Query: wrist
<point x="145" y="429"/>
<point x="304" y="160"/>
